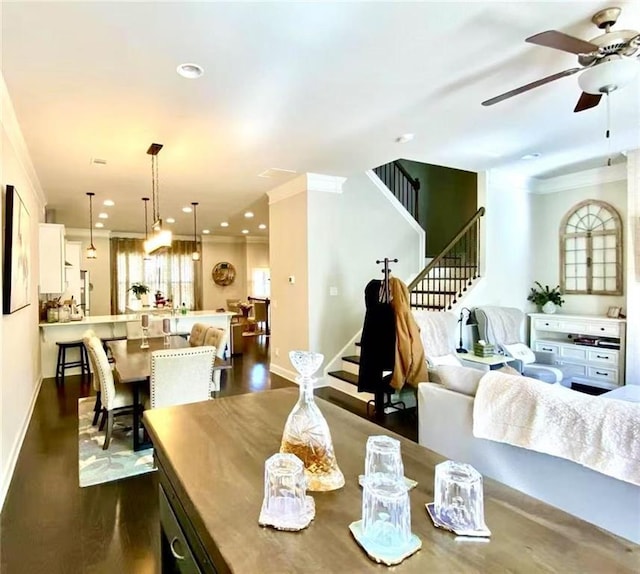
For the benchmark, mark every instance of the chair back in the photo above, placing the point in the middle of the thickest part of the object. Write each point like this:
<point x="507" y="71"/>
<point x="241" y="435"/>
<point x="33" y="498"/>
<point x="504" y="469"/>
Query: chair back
<point x="198" y="331"/>
<point x="259" y="311"/>
<point x="101" y="369"/>
<point x="438" y="335"/>
<point x="232" y="305"/>
<point x="216" y="337"/>
<point x="500" y="325"/>
<point x="181" y="376"/>
<point x="95" y="381"/>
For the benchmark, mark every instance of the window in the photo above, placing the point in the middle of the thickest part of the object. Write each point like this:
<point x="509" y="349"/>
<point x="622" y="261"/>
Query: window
<point x="261" y="282"/>
<point x="591" y="250"/>
<point x="173" y="273"/>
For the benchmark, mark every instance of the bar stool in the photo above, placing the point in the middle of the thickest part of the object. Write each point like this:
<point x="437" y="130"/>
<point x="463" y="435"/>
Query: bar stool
<point x="63" y="363"/>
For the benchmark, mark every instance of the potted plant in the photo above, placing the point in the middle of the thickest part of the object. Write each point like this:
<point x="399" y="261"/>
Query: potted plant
<point x="139" y="289"/>
<point x="547" y="300"/>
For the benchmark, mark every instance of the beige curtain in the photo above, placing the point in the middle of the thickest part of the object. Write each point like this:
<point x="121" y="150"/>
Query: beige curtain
<point x="173" y="273"/>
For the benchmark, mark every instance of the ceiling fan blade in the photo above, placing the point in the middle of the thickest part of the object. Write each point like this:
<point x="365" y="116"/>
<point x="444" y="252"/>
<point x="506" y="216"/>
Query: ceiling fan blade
<point x="564" y="42"/>
<point x="587" y="101"/>
<point x="531" y="86"/>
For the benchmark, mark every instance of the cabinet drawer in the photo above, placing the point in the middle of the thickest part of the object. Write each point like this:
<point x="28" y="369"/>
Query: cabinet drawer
<point x="571" y="370"/>
<point x="548" y="347"/>
<point x="603" y="374"/>
<point x="571" y="352"/>
<point x="546" y="325"/>
<point x="604" y="357"/>
<point x="574" y="326"/>
<point x="604" y="329"/>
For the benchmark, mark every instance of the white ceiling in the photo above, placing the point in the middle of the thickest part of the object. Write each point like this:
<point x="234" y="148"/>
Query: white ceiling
<point x="320" y="87"/>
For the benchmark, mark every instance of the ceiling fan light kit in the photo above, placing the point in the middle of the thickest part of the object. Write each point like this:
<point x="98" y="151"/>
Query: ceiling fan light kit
<point x="609" y="61"/>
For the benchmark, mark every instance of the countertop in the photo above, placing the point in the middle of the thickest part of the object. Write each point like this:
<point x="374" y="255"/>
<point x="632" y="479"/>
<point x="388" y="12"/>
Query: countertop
<point x="98" y="319"/>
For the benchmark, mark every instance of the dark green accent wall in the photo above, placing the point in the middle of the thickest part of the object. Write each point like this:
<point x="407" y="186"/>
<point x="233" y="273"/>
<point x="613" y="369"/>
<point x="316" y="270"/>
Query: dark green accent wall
<point x="447" y="200"/>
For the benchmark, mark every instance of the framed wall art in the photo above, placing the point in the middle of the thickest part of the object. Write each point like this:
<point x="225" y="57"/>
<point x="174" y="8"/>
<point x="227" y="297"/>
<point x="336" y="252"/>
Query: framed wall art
<point x="17" y="254"/>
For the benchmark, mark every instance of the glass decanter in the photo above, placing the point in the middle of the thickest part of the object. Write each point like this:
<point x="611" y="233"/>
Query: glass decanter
<point x="306" y="432"/>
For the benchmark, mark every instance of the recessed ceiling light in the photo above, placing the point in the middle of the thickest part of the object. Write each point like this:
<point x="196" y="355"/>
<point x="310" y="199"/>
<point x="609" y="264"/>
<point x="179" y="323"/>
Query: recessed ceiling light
<point x="103" y="215"/>
<point x="190" y="71"/>
<point x="99" y="224"/>
<point x="404" y="138"/>
<point x="206" y="231"/>
<point x="108" y="203"/>
<point x="262" y="226"/>
<point x="534" y="155"/>
<point x="170" y="220"/>
<point x="187" y="209"/>
<point x="245" y="231"/>
<point x="248" y="214"/>
<point x="224" y="224"/>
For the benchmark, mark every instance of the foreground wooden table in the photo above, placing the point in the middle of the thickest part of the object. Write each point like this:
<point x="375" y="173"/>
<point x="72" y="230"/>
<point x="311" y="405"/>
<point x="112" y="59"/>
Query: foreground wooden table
<point x="211" y="459"/>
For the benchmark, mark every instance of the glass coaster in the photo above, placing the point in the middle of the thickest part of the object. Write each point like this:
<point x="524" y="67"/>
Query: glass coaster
<point x="480" y="533"/>
<point x="409" y="482"/>
<point x="385" y="555"/>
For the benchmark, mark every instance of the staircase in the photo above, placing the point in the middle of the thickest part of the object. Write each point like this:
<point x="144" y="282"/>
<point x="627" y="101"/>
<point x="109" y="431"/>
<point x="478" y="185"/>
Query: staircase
<point x="438" y="287"/>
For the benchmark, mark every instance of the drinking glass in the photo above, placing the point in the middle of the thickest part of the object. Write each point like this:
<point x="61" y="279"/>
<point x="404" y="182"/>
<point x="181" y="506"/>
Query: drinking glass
<point x="383" y="458"/>
<point x="459" y="500"/>
<point x="285" y="505"/>
<point x="386" y="513"/>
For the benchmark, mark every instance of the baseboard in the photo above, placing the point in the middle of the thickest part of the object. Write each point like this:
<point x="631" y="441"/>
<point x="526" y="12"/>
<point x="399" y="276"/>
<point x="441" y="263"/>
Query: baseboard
<point x="15" y="451"/>
<point x="282" y="372"/>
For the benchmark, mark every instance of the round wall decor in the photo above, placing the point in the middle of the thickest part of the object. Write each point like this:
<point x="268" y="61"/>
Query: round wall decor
<point x="223" y="273"/>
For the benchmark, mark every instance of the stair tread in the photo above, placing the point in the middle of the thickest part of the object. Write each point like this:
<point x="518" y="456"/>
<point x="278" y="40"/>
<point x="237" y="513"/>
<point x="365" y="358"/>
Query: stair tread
<point x="355" y="359"/>
<point x="345" y="376"/>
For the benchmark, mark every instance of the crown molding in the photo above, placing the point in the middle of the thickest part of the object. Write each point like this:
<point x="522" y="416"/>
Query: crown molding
<point x="587" y="178"/>
<point x="15" y="136"/>
<point x="260" y="240"/>
<point x="315" y="182"/>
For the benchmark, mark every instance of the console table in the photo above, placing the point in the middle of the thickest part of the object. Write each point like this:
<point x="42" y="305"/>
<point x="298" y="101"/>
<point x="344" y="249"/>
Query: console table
<point x="210" y="457"/>
<point x="600" y="366"/>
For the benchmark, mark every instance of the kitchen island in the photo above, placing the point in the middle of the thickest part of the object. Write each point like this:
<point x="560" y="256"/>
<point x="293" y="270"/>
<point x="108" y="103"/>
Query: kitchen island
<point x="210" y="456"/>
<point x="108" y="326"/>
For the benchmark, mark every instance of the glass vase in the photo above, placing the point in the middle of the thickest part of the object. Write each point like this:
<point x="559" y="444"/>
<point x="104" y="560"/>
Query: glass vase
<point x="306" y="432"/>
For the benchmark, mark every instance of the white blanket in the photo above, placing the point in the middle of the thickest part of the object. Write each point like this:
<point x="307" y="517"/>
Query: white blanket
<point x="599" y="433"/>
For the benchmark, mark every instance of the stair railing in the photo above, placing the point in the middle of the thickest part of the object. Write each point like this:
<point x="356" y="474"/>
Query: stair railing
<point x="445" y="279"/>
<point x="404" y="187"/>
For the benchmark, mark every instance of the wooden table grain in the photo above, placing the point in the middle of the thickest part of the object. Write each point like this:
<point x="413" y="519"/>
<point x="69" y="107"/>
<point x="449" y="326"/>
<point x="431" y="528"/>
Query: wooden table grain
<point x="213" y="455"/>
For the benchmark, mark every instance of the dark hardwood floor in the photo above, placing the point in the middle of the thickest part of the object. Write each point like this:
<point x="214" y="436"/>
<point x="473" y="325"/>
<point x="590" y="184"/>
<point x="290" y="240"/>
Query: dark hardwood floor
<point x="51" y="525"/>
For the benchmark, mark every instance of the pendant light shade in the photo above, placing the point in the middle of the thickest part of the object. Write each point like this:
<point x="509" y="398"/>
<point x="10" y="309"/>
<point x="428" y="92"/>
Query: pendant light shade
<point x="92" y="252"/>
<point x="196" y="254"/>
<point x="161" y="238"/>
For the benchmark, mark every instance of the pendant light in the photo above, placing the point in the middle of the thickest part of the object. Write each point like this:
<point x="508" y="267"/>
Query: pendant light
<point x="161" y="239"/>
<point x="91" y="250"/>
<point x="147" y="257"/>
<point x="196" y="254"/>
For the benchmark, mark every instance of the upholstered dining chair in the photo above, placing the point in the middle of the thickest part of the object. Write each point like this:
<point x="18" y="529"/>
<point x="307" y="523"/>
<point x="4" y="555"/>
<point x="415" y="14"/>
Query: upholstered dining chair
<point x="198" y="331"/>
<point x="115" y="399"/>
<point x="502" y="326"/>
<point x="216" y="337"/>
<point x="181" y="376"/>
<point x="95" y="381"/>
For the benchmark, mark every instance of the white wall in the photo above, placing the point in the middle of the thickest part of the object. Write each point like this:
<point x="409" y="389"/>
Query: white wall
<point x="547" y="213"/>
<point x="347" y="233"/>
<point x="632" y="271"/>
<point x="20" y="333"/>
<point x="215" y="250"/>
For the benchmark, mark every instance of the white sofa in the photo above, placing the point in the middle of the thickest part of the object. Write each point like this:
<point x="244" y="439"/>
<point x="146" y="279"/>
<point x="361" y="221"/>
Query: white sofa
<point x="445" y="423"/>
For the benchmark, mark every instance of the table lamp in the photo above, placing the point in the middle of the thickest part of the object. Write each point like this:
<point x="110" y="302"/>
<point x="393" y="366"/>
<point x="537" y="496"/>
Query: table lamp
<point x="469" y="322"/>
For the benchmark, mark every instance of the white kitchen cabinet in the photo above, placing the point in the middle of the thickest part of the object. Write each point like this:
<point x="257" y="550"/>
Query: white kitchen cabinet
<point x="600" y="364"/>
<point x="52" y="254"/>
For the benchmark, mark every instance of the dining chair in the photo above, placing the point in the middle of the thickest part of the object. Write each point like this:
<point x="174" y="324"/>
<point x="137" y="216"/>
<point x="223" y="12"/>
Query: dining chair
<point x="115" y="399"/>
<point x="198" y="331"/>
<point x="181" y="376"/>
<point x="95" y="381"/>
<point x="216" y="337"/>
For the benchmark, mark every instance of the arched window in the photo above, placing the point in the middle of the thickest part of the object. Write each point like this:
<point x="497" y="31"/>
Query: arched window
<point x="591" y="250"/>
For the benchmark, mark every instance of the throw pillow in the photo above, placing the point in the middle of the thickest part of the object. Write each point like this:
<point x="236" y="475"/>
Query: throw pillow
<point x="457" y="378"/>
<point x="522" y="352"/>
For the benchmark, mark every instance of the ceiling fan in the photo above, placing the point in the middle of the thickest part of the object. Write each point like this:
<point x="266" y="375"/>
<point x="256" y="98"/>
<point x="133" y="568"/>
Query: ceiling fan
<point x="606" y="61"/>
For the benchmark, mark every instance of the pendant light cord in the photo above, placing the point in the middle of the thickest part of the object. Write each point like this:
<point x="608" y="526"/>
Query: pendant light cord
<point x="91" y="218"/>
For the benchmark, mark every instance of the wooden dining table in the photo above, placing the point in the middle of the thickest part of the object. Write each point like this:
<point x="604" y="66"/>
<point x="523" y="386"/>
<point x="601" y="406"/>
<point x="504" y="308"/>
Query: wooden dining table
<point x="132" y="366"/>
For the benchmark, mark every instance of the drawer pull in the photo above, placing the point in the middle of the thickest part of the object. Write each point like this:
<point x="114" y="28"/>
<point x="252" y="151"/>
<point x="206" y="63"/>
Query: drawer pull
<point x="175" y="553"/>
<point x="602" y="357"/>
<point x="546" y="349"/>
<point x="602" y="328"/>
<point x="602" y="374"/>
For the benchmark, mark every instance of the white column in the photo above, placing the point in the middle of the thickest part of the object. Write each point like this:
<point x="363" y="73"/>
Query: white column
<point x="632" y="267"/>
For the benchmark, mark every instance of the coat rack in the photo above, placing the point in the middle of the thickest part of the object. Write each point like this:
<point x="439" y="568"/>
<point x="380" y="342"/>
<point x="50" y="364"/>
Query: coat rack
<point x="384" y="294"/>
